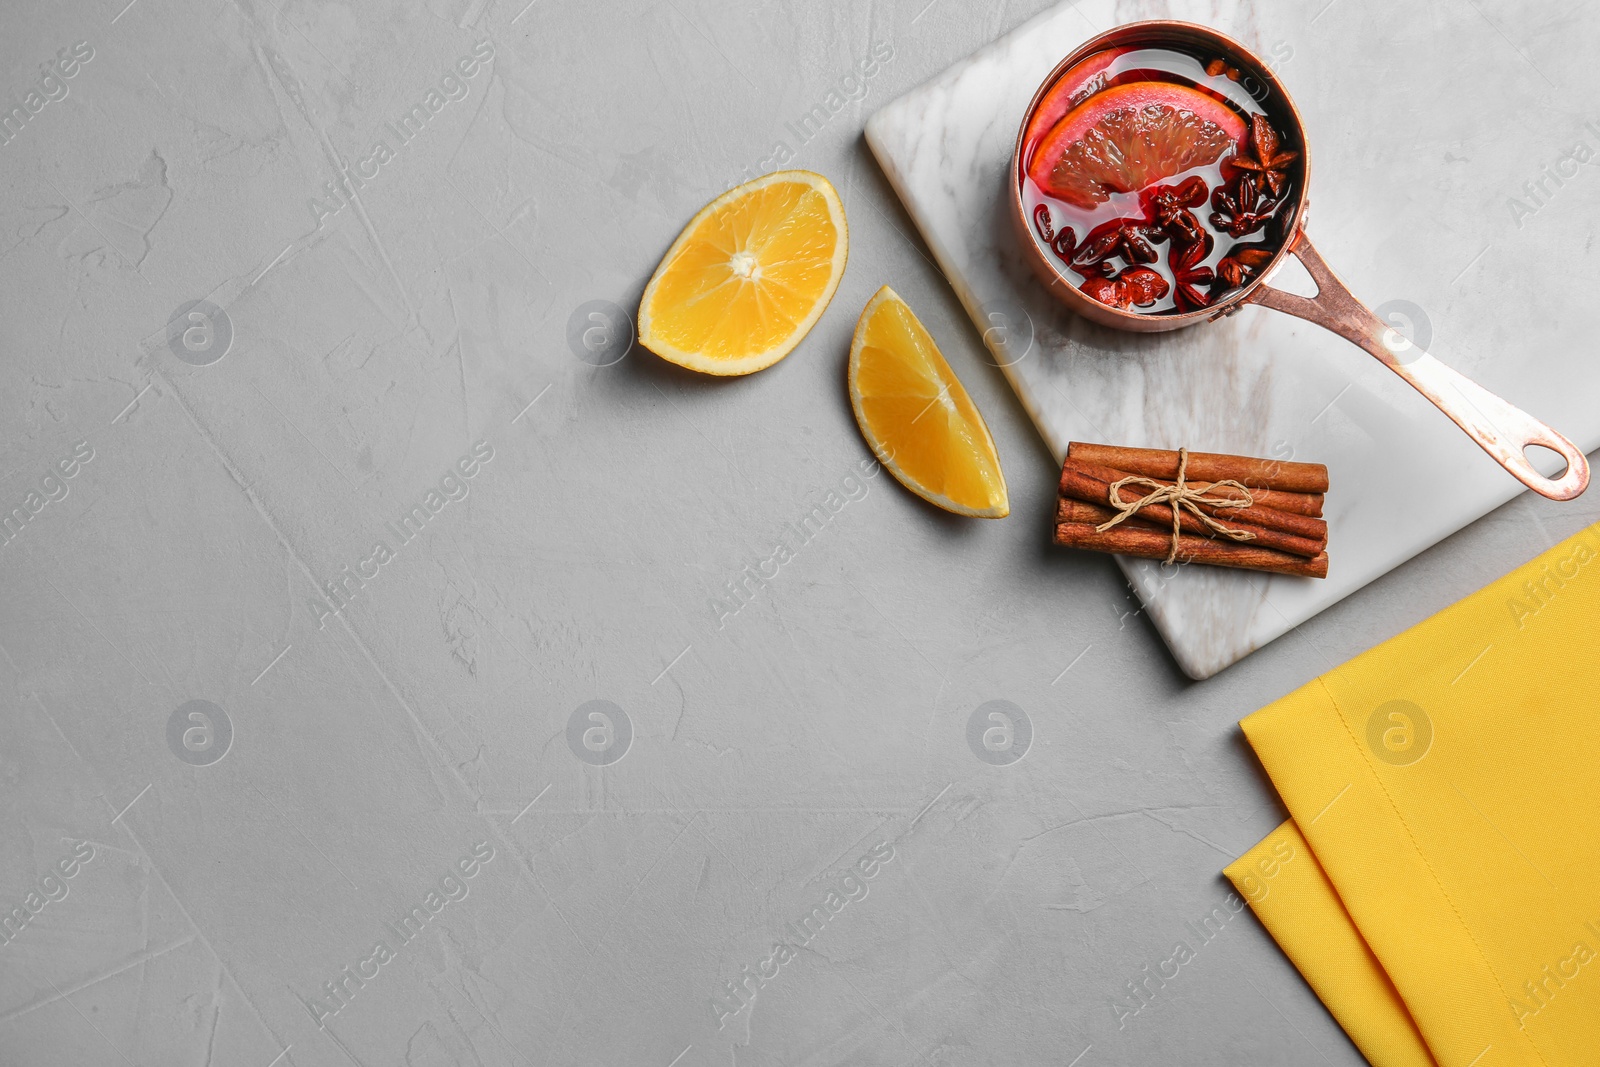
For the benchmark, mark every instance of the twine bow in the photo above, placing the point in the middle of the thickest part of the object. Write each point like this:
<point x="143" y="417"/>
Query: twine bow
<point x="1179" y="497"/>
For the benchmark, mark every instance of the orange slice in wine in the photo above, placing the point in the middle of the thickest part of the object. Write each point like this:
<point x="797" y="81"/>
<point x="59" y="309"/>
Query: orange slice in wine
<point x="1130" y="137"/>
<point x="1071" y="89"/>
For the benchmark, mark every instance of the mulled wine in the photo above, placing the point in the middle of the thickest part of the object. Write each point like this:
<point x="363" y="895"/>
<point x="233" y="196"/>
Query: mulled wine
<point x="1159" y="178"/>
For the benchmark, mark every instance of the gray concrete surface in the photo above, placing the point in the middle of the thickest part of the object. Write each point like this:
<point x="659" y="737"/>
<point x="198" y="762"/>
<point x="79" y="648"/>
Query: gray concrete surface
<point x="418" y="763"/>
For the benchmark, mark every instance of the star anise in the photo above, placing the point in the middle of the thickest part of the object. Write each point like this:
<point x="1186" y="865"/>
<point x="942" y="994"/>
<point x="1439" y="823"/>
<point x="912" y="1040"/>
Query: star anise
<point x="1242" y="264"/>
<point x="1168" y="206"/>
<point x="1241" y="208"/>
<point x="1135" y="285"/>
<point x="1129" y="238"/>
<point x="1271" y="159"/>
<point x="1188" y="275"/>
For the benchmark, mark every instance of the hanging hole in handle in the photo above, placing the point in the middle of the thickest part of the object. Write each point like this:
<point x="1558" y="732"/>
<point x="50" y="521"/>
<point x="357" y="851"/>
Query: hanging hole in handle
<point x="1547" y="461"/>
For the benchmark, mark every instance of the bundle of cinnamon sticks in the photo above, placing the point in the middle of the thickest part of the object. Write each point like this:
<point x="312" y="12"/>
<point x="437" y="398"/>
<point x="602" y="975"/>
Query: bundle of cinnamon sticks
<point x="1273" y="523"/>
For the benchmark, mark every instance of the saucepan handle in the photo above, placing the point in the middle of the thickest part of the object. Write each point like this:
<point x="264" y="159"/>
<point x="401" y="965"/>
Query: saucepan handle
<point x="1503" y="431"/>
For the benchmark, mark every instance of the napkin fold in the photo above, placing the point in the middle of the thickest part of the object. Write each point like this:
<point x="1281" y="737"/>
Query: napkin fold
<point x="1441" y="891"/>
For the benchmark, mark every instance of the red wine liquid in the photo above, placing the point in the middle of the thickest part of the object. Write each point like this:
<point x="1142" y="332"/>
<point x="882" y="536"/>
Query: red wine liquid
<point x="1241" y="92"/>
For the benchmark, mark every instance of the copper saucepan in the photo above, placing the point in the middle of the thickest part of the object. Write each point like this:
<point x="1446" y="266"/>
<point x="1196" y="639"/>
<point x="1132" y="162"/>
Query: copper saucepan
<point x="1502" y="430"/>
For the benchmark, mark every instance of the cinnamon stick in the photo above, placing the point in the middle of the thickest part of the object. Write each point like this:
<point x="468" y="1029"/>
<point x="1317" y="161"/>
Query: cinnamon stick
<point x="1091" y="482"/>
<point x="1207" y="466"/>
<point x="1076" y="528"/>
<point x="1307" y="504"/>
<point x="1159" y="516"/>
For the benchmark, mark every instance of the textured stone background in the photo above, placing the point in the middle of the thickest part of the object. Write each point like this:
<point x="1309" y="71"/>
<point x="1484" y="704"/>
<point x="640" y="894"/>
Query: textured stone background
<point x="366" y="348"/>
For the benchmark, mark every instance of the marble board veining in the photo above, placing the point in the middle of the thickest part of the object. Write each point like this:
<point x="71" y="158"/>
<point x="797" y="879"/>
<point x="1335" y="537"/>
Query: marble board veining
<point x="1424" y="128"/>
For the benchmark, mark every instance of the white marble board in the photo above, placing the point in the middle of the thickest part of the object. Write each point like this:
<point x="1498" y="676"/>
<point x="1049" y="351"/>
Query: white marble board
<point x="1422" y="130"/>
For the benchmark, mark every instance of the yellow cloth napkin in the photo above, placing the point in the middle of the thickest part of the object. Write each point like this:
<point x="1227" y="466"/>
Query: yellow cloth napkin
<point x="1445" y="787"/>
<point x="1291" y="895"/>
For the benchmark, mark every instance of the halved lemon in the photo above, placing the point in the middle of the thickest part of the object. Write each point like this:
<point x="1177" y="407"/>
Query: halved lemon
<point x="918" y="419"/>
<point x="749" y="276"/>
